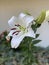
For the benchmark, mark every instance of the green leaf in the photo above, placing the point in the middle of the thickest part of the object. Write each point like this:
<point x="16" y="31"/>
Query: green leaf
<point x="33" y="27"/>
<point x="37" y="35"/>
<point x="36" y="41"/>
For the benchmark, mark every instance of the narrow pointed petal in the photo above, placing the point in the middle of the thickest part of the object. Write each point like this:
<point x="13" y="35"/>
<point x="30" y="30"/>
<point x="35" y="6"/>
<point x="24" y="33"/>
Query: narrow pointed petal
<point x="30" y="33"/>
<point x="12" y="21"/>
<point x="15" y="42"/>
<point x="21" y="20"/>
<point x="28" y="19"/>
<point x="21" y="15"/>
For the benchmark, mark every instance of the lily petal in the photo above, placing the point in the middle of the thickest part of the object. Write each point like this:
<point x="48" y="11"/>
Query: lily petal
<point x="30" y="33"/>
<point x="15" y="42"/>
<point x="21" y="15"/>
<point x="26" y="20"/>
<point x="12" y="21"/>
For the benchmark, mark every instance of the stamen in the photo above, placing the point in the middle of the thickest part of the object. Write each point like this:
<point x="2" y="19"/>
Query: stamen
<point x="13" y="29"/>
<point x="17" y="25"/>
<point x="15" y="32"/>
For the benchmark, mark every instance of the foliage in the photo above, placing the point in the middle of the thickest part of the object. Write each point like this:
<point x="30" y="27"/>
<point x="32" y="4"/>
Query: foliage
<point x="22" y="54"/>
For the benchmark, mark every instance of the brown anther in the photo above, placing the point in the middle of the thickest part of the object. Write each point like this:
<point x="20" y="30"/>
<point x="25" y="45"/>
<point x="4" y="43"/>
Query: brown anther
<point x="16" y="32"/>
<point x="13" y="32"/>
<point x="13" y="29"/>
<point x="17" y="25"/>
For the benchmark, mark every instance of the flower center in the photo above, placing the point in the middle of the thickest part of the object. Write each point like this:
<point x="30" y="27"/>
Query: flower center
<point x="18" y="29"/>
<point x="21" y="28"/>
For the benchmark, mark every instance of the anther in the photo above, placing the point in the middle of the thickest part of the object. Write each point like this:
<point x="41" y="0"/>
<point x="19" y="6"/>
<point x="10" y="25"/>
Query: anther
<point x="15" y="32"/>
<point x="17" y="25"/>
<point x="13" y="29"/>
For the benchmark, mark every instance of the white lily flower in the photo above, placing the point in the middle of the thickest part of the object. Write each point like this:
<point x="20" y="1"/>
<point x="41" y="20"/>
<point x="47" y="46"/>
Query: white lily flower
<point x="44" y="32"/>
<point x="20" y="27"/>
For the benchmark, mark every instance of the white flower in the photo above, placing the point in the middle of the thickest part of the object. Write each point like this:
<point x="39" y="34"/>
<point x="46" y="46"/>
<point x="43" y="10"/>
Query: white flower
<point x="44" y="32"/>
<point x="20" y="27"/>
